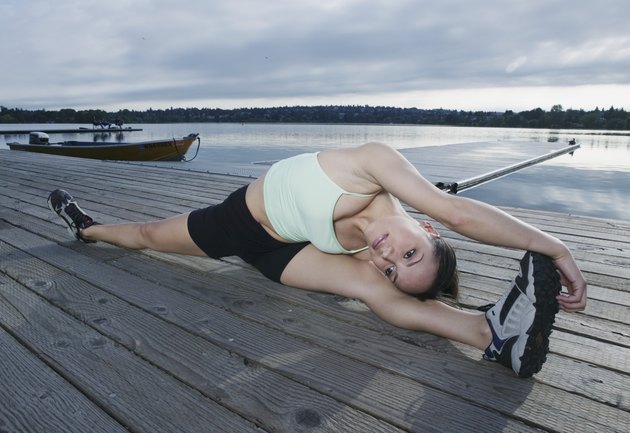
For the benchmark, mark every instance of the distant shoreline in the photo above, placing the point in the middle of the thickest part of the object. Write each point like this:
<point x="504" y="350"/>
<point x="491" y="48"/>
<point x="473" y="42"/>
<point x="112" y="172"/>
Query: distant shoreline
<point x="552" y="131"/>
<point x="611" y="119"/>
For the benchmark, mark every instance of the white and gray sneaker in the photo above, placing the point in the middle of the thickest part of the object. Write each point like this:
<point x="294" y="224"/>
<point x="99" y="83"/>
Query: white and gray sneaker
<point x="522" y="318"/>
<point x="62" y="203"/>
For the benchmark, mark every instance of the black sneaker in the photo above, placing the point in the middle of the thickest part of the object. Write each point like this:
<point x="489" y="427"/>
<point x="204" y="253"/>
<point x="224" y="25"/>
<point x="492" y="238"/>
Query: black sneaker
<point x="62" y="203"/>
<point x="522" y="318"/>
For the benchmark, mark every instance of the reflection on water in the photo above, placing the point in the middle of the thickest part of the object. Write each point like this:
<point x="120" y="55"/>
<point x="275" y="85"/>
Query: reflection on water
<point x="560" y="188"/>
<point x="591" y="182"/>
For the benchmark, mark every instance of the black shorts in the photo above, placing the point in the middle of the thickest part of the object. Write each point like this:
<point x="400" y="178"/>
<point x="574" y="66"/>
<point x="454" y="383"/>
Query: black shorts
<point x="229" y="229"/>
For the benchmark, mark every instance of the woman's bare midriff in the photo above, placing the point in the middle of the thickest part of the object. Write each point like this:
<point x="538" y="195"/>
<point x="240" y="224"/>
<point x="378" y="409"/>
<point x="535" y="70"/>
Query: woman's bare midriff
<point x="255" y="201"/>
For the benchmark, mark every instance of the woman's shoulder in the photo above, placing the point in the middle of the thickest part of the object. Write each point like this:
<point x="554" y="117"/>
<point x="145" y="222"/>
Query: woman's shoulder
<point x="365" y="155"/>
<point x="367" y="150"/>
<point x="366" y="158"/>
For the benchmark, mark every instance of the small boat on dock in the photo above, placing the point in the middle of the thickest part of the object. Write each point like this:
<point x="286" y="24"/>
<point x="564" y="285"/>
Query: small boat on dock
<point x="172" y="149"/>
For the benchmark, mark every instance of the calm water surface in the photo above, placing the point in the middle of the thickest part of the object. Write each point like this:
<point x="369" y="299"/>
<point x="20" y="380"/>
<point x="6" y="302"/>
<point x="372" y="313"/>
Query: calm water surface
<point x="594" y="181"/>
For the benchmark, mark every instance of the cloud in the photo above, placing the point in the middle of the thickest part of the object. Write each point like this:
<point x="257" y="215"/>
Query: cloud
<point x="517" y="63"/>
<point x="134" y="53"/>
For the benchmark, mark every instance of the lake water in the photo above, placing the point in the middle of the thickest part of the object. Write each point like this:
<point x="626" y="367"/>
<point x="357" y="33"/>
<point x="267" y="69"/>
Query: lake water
<point x="594" y="181"/>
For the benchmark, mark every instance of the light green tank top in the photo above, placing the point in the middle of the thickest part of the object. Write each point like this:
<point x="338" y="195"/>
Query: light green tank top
<point x="300" y="200"/>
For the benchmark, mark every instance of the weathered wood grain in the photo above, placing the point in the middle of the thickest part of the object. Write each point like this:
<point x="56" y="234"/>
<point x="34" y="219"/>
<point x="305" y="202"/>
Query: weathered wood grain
<point x="138" y="395"/>
<point x="34" y="398"/>
<point x="375" y="391"/>
<point x="221" y="340"/>
<point x="245" y="387"/>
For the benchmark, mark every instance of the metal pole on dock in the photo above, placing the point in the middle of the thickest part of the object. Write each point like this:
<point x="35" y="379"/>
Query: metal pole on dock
<point x="455" y="187"/>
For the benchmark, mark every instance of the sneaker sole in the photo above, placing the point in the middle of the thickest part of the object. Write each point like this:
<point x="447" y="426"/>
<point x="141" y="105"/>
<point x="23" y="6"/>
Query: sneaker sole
<point x="546" y="288"/>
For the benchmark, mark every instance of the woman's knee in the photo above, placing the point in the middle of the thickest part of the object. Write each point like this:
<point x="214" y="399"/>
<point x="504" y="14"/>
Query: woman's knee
<point x="169" y="236"/>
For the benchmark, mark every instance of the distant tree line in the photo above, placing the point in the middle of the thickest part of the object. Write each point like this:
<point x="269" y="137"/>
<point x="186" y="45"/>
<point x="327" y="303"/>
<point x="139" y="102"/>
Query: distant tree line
<point x="556" y="118"/>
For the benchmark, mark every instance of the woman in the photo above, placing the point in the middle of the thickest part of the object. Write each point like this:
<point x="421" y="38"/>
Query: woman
<point x="332" y="222"/>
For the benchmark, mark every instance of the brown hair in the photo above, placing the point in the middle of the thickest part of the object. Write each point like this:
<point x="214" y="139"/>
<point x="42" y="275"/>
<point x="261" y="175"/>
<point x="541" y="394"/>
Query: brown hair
<point x="446" y="283"/>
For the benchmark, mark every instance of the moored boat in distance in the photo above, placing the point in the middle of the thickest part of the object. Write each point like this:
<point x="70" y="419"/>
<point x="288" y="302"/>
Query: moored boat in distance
<point x="172" y="149"/>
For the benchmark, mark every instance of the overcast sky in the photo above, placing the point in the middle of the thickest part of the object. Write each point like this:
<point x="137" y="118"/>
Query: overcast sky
<point x="471" y="55"/>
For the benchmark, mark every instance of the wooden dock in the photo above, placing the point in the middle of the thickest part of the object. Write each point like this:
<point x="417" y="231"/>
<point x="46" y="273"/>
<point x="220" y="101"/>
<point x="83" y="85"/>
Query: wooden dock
<point x="95" y="338"/>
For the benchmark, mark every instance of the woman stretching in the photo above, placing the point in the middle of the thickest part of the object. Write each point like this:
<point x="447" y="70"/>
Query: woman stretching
<point x="332" y="222"/>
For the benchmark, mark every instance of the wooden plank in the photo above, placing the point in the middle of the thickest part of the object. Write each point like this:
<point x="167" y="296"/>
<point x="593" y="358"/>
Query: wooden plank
<point x="491" y="268"/>
<point x="95" y="185"/>
<point x="167" y="273"/>
<point x="621" y="282"/>
<point x="610" y="275"/>
<point x="33" y="398"/>
<point x="159" y="203"/>
<point x="138" y="395"/>
<point x="473" y="263"/>
<point x="252" y="342"/>
<point x="621" y="278"/>
<point x="77" y="170"/>
<point x="375" y="391"/>
<point x="574" y="234"/>
<point x="587" y="368"/>
<point x="244" y="387"/>
<point x="80" y="176"/>
<point x="242" y="300"/>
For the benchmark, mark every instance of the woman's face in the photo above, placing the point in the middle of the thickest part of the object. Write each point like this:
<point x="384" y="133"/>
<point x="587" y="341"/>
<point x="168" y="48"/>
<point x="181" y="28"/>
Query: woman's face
<point x="403" y="250"/>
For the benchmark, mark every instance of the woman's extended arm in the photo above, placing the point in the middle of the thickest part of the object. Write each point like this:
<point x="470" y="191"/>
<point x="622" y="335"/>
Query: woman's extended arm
<point x="470" y="218"/>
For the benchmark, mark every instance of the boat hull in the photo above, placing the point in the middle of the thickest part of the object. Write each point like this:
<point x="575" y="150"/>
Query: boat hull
<point x="157" y="150"/>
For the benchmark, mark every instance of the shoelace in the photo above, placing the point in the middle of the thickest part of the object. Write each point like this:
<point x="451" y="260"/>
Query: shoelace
<point x="80" y="219"/>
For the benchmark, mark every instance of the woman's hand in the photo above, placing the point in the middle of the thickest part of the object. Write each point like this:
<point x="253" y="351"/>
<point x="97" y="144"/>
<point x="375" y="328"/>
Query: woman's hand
<point x="572" y="279"/>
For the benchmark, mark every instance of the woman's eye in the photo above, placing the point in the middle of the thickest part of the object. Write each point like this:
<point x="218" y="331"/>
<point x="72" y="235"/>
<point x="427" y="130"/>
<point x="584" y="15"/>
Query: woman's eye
<point x="409" y="254"/>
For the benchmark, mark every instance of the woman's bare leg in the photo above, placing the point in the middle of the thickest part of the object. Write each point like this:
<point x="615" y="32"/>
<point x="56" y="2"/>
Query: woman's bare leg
<point x="169" y="235"/>
<point x="344" y="275"/>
